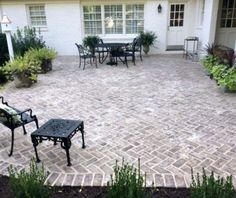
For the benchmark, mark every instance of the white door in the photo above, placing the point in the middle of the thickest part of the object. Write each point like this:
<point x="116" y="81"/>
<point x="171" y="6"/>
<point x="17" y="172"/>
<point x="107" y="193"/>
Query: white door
<point x="226" y="30"/>
<point x="176" y="26"/>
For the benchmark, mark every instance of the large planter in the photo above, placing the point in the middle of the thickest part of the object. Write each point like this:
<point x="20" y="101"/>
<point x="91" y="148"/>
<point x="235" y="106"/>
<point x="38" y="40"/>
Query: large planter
<point x="22" y="80"/>
<point x="46" y="65"/>
<point x="146" y="49"/>
<point x="227" y="90"/>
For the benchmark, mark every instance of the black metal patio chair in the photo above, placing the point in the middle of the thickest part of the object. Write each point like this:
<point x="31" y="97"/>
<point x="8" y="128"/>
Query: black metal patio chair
<point x="121" y="54"/>
<point x="13" y="118"/>
<point x="135" y="46"/>
<point x="85" y="54"/>
<point x="102" y="51"/>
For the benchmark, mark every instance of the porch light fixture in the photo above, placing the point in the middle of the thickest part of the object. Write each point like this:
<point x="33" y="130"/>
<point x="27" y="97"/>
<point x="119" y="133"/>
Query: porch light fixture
<point x="159" y="8"/>
<point x="5" y="20"/>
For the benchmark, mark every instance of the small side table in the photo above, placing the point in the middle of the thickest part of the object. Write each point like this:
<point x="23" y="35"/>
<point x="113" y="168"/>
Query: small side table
<point x="191" y="47"/>
<point x="58" y="130"/>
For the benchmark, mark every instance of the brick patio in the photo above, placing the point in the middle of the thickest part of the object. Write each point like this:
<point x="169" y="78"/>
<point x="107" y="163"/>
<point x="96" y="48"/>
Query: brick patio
<point x="164" y="111"/>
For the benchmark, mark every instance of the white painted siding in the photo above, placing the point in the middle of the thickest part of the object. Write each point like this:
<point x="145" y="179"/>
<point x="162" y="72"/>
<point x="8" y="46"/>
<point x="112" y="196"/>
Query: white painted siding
<point x="65" y="22"/>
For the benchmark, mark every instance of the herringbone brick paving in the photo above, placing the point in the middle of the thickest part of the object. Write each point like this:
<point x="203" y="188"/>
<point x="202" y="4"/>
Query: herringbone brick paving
<point x="164" y="111"/>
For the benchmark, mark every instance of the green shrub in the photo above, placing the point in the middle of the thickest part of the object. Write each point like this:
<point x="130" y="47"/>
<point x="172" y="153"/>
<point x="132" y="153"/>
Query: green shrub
<point x="127" y="182"/>
<point x="209" y="61"/>
<point x="29" y="184"/>
<point x="148" y="38"/>
<point x="91" y="42"/>
<point x="218" y="72"/>
<point x="209" y="187"/>
<point x="228" y="80"/>
<point x="26" y="65"/>
<point x="4" y="56"/>
<point x="42" y="53"/>
<point x="25" y="39"/>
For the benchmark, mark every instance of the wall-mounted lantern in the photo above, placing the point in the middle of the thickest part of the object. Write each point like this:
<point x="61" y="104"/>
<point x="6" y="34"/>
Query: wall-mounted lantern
<point x="6" y="28"/>
<point x="159" y="8"/>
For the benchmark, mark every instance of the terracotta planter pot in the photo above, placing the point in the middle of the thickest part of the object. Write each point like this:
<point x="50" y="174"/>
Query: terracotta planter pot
<point x="146" y="49"/>
<point x="46" y="65"/>
<point x="22" y="80"/>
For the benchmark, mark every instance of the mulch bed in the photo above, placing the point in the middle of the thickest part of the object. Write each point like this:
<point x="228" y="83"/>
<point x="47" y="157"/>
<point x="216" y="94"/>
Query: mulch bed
<point x="95" y="192"/>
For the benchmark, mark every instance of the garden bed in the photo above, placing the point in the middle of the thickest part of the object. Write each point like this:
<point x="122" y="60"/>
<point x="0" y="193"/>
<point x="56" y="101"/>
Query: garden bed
<point x="95" y="192"/>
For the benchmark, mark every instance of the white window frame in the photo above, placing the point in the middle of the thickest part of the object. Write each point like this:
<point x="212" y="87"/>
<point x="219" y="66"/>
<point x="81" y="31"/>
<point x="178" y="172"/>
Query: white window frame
<point x="103" y="18"/>
<point x="38" y="27"/>
<point x="200" y="13"/>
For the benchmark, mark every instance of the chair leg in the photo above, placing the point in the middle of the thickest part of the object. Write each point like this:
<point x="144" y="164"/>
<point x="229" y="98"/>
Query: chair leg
<point x="141" y="56"/>
<point x="90" y="60"/>
<point x="84" y="64"/>
<point x="79" y="62"/>
<point x="126" y="62"/>
<point x="133" y="59"/>
<point x="96" y="62"/>
<point x="24" y="129"/>
<point x="36" y="122"/>
<point x="12" y="142"/>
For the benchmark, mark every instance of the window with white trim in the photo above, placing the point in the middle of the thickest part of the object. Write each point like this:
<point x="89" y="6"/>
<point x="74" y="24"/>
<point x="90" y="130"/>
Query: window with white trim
<point x="134" y="18"/>
<point x="113" y="19"/>
<point x="113" y="15"/>
<point x="37" y="15"/>
<point x="228" y="14"/>
<point x="92" y="20"/>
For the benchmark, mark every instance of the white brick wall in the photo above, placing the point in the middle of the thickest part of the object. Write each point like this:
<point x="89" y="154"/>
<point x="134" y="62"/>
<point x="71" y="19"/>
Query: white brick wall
<point x="64" y="23"/>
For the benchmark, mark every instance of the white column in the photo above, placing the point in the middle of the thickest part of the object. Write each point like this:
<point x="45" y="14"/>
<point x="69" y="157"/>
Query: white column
<point x="210" y="21"/>
<point x="9" y="45"/>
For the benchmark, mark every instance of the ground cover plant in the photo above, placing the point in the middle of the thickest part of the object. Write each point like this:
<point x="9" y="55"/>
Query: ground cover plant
<point x="128" y="182"/>
<point x="210" y="187"/>
<point x="224" y="74"/>
<point x="29" y="184"/>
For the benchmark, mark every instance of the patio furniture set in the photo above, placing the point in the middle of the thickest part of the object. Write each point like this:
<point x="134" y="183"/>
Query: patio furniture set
<point x="113" y="51"/>
<point x="56" y="130"/>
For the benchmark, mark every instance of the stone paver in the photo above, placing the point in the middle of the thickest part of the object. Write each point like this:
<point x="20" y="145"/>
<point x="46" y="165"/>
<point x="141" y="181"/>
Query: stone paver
<point x="164" y="111"/>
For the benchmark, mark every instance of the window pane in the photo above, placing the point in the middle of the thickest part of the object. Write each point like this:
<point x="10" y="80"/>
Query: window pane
<point x="113" y="19"/>
<point x="92" y="20"/>
<point x="234" y="23"/>
<point x="37" y="15"/>
<point x="134" y="18"/>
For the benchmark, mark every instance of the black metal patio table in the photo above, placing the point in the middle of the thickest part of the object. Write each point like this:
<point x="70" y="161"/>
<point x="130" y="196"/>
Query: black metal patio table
<point x="111" y="47"/>
<point x="58" y="130"/>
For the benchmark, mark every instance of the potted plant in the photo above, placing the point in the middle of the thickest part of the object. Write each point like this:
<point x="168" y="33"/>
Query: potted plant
<point x="45" y="56"/>
<point x="148" y="39"/>
<point x="91" y="42"/>
<point x="23" y="69"/>
<point x="228" y="80"/>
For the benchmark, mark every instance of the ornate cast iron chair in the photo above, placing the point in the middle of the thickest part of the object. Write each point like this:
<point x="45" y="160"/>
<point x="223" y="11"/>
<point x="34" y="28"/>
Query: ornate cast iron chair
<point x="135" y="46"/>
<point x="85" y="54"/>
<point x="102" y="52"/>
<point x="14" y="118"/>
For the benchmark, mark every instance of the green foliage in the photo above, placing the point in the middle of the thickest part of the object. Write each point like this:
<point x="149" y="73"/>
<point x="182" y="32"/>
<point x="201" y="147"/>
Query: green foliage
<point x="29" y="184"/>
<point x="27" y="65"/>
<point x="42" y="53"/>
<point x="210" y="48"/>
<point x="228" y="79"/>
<point x="127" y="182"/>
<point x="148" y="38"/>
<point x="209" y="187"/>
<point x="209" y="61"/>
<point x="25" y="39"/>
<point x="218" y="72"/>
<point x="4" y="56"/>
<point x="91" y="42"/>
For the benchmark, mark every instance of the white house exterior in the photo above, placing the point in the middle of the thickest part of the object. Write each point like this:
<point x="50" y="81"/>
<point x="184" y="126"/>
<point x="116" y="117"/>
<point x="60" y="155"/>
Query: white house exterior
<point x="64" y="22"/>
